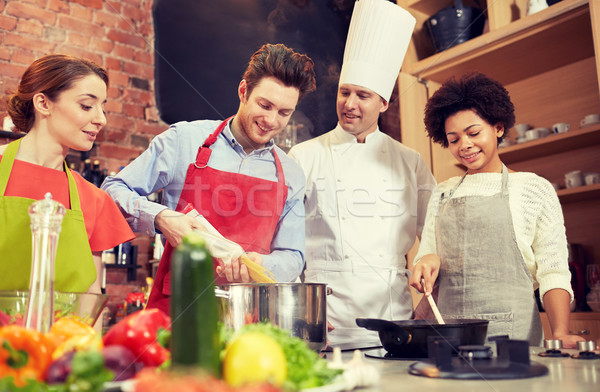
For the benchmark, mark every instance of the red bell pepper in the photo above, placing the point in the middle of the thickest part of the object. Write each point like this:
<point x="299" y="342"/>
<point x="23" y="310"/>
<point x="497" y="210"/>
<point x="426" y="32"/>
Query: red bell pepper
<point x="139" y="333"/>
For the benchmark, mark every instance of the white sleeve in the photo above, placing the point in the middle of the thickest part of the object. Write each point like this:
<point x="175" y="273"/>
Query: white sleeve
<point x="428" y="240"/>
<point x="549" y="243"/>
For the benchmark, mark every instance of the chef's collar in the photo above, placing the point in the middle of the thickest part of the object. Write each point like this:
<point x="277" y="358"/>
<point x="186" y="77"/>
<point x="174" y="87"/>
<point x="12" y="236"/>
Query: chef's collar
<point x="238" y="147"/>
<point x="343" y="137"/>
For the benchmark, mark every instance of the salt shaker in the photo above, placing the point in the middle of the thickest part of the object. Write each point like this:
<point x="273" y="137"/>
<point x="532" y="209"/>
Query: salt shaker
<point x="46" y="220"/>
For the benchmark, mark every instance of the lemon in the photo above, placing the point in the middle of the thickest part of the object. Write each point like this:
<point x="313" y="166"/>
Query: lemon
<point x="254" y="358"/>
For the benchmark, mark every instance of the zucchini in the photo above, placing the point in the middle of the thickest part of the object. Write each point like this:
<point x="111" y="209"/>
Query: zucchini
<point x="195" y="334"/>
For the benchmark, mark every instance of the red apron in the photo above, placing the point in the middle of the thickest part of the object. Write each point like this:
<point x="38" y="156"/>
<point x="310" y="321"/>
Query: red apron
<point x="242" y="208"/>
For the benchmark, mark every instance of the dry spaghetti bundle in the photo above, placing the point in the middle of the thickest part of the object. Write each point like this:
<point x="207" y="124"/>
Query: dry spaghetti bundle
<point x="258" y="273"/>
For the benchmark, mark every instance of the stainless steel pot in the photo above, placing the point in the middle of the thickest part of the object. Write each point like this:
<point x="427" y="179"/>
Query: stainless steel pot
<point x="300" y="308"/>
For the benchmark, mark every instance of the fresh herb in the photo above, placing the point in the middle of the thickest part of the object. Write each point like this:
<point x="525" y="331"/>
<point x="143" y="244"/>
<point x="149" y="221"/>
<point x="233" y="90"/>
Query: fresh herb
<point x="88" y="375"/>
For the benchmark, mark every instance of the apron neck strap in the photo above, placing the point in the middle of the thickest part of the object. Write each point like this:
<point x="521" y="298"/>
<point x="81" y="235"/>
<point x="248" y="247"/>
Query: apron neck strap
<point x="8" y="158"/>
<point x="73" y="194"/>
<point x="280" y="175"/>
<point x="204" y="152"/>
<point x="504" y="180"/>
<point x="6" y="165"/>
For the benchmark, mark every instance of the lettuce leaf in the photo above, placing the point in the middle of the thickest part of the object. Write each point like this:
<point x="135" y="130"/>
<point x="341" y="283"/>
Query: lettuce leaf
<point x="305" y="369"/>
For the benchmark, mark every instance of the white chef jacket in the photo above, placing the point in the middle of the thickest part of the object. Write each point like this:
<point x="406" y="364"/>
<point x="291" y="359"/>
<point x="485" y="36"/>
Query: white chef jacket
<point x="365" y="205"/>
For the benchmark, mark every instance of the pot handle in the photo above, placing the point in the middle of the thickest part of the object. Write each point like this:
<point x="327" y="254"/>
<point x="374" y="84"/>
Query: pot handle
<point x="397" y="333"/>
<point x="221" y="293"/>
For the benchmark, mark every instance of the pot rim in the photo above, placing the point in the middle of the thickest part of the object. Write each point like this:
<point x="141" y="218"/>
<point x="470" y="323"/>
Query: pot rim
<point x="283" y="284"/>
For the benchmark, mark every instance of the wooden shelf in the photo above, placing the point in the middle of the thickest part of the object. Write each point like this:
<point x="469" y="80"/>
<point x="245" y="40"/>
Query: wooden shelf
<point x="551" y="145"/>
<point x="579" y="193"/>
<point x="552" y="38"/>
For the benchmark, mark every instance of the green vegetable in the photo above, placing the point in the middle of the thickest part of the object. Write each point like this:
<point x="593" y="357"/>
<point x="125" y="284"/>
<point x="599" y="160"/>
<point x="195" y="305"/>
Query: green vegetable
<point x="305" y="369"/>
<point x="194" y="313"/>
<point x="88" y="375"/>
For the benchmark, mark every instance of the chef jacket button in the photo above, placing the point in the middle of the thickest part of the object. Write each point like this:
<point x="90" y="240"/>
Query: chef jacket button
<point x="346" y="257"/>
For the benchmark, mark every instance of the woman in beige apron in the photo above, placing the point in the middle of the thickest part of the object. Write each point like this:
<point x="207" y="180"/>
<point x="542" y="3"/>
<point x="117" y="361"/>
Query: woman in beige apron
<point x="59" y="105"/>
<point x="492" y="235"/>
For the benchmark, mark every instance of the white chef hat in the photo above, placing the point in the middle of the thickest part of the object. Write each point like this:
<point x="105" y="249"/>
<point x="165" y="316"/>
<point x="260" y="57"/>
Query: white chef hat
<point x="378" y="38"/>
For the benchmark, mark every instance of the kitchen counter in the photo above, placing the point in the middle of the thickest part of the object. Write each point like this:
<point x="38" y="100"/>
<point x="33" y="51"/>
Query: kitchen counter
<point x="564" y="374"/>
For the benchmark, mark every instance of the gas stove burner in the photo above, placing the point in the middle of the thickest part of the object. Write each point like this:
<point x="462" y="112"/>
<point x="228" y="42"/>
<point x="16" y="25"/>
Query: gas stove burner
<point x="586" y="350"/>
<point x="553" y="347"/>
<point x="475" y="352"/>
<point x="477" y="363"/>
<point x="384" y="354"/>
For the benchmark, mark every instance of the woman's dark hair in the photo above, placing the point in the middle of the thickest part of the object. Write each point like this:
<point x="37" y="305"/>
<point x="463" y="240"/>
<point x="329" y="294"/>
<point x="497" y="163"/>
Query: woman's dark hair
<point x="277" y="60"/>
<point x="473" y="91"/>
<point x="49" y="75"/>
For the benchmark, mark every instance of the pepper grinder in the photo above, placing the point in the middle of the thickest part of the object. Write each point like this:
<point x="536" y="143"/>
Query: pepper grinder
<point x="46" y="220"/>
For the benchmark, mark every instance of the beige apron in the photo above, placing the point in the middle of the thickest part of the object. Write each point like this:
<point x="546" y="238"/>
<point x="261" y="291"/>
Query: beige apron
<point x="482" y="273"/>
<point x="74" y="266"/>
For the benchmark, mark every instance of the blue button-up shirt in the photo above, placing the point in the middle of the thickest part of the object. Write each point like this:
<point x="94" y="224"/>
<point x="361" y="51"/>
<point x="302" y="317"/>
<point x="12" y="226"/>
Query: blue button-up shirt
<point x="165" y="163"/>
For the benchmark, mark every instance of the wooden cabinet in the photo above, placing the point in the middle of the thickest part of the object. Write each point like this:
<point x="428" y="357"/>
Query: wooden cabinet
<point x="550" y="64"/>
<point x="585" y="324"/>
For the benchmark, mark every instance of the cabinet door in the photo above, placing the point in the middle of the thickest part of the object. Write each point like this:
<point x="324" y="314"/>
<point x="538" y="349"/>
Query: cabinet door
<point x="585" y="324"/>
<point x="591" y="326"/>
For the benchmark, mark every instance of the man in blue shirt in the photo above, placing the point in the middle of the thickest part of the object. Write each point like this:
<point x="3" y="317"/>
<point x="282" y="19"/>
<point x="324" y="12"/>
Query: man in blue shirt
<point x="232" y="174"/>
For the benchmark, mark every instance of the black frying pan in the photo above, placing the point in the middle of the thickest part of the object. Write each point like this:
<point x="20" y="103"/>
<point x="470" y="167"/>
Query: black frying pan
<point x="408" y="338"/>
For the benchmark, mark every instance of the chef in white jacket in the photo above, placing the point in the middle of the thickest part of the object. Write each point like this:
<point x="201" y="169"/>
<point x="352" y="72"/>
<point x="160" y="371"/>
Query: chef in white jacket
<point x="366" y="193"/>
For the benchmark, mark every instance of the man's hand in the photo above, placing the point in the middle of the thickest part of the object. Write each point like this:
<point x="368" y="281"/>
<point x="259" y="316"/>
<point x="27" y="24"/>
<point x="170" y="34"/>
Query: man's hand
<point x="174" y="225"/>
<point x="236" y="271"/>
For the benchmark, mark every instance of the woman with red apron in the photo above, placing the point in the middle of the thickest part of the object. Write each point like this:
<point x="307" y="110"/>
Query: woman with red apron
<point x="245" y="207"/>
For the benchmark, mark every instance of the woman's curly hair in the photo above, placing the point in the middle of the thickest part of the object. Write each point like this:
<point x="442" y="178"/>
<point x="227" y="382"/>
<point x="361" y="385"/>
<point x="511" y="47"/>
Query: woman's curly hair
<point x="473" y="91"/>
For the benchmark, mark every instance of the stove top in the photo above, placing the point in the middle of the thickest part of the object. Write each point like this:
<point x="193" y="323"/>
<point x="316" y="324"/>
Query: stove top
<point x="384" y="354"/>
<point x="478" y="362"/>
<point x="586" y="350"/>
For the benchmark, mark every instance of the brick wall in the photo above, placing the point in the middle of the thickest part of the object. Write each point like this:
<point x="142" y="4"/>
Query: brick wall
<point x="117" y="35"/>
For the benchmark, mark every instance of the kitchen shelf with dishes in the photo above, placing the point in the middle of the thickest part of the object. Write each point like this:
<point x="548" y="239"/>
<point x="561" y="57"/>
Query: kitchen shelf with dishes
<point x="552" y="144"/>
<point x="559" y="25"/>
<point x="550" y="64"/>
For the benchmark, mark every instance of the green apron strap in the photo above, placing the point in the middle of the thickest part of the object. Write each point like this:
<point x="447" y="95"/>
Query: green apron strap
<point x="73" y="194"/>
<point x="8" y="158"/>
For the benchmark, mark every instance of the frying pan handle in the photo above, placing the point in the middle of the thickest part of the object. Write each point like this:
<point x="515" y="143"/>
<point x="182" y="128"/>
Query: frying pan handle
<point x="388" y="331"/>
<point x="375" y="324"/>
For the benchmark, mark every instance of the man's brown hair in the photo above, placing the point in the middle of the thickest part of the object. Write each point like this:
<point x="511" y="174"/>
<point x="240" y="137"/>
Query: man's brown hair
<point x="277" y="60"/>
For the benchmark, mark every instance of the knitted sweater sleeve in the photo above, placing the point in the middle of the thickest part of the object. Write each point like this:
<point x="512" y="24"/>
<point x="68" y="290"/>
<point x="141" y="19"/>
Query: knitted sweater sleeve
<point x="540" y="231"/>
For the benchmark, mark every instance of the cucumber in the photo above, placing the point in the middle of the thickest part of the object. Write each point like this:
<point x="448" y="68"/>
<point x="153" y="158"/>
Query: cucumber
<point x="194" y="313"/>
